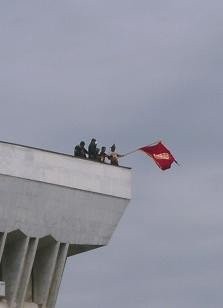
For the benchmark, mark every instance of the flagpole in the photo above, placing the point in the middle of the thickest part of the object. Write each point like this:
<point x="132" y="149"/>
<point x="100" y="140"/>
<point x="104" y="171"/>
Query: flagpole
<point x="130" y="153"/>
<point x="177" y="162"/>
<point x="140" y="148"/>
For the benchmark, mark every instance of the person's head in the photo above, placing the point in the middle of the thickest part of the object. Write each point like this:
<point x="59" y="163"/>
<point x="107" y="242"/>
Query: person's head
<point x="93" y="140"/>
<point x="103" y="149"/>
<point x="82" y="144"/>
<point x="113" y="148"/>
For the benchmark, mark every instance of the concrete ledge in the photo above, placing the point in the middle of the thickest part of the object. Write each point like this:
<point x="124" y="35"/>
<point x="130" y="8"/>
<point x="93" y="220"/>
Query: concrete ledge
<point x="69" y="215"/>
<point x="64" y="170"/>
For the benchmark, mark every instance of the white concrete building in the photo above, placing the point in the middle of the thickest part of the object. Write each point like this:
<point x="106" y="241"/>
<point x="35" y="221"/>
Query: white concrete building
<point x="52" y="206"/>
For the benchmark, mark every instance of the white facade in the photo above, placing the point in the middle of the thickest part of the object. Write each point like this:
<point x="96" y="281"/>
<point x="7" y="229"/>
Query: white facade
<point x="52" y="206"/>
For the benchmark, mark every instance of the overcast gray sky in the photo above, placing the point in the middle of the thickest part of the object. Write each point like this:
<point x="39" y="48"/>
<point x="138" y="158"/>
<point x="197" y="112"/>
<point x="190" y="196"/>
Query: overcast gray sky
<point x="128" y="72"/>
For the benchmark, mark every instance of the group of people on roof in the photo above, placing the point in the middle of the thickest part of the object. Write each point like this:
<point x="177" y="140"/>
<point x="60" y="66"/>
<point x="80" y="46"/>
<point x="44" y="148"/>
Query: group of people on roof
<point x="96" y="154"/>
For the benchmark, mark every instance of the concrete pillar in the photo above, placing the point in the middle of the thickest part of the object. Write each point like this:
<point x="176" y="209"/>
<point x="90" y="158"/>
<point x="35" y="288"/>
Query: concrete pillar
<point x="2" y="243"/>
<point x="13" y="260"/>
<point x="32" y="247"/>
<point x="57" y="277"/>
<point x="43" y="271"/>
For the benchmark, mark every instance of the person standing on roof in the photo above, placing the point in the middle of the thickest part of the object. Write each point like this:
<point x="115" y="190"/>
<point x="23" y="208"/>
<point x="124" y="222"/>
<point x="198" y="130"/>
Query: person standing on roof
<point x="114" y="156"/>
<point x="92" y="149"/>
<point x="80" y="151"/>
<point x="102" y="155"/>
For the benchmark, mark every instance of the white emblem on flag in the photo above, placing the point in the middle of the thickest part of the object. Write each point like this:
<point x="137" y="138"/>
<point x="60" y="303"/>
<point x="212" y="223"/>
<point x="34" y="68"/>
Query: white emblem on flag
<point x="162" y="156"/>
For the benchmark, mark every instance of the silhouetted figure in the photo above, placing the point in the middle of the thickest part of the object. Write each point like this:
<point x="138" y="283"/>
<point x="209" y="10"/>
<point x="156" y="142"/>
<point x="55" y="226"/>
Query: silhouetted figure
<point x="80" y="151"/>
<point x="97" y="153"/>
<point x="113" y="156"/>
<point x="102" y="155"/>
<point x="92" y="149"/>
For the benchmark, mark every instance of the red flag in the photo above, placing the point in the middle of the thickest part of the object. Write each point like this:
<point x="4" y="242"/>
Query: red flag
<point x="160" y="154"/>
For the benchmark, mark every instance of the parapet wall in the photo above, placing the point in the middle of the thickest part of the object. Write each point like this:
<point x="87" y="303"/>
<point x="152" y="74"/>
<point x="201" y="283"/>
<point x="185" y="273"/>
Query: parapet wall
<point x="64" y="170"/>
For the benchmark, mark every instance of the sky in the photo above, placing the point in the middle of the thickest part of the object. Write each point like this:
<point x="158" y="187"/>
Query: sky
<point x="128" y="72"/>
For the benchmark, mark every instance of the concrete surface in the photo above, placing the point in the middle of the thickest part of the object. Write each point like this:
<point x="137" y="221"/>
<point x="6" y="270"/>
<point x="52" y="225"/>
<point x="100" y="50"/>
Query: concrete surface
<point x="52" y="206"/>
<point x="64" y="170"/>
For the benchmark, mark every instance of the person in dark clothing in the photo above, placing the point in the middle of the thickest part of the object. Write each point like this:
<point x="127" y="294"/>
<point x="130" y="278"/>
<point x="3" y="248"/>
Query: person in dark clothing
<point x="97" y="154"/>
<point x="102" y="155"/>
<point x="80" y="151"/>
<point x="92" y="149"/>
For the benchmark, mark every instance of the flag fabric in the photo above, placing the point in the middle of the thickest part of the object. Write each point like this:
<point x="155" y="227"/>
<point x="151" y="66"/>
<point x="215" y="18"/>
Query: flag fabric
<point x="160" y="154"/>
